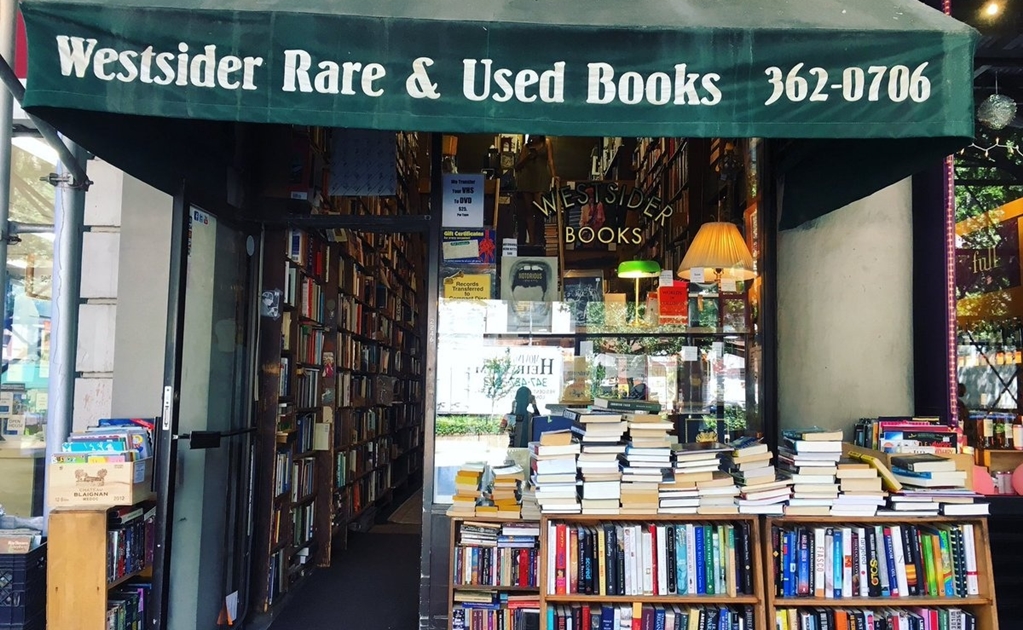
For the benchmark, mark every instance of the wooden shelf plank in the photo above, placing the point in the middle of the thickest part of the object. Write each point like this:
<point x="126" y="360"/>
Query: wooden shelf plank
<point x="862" y="602"/>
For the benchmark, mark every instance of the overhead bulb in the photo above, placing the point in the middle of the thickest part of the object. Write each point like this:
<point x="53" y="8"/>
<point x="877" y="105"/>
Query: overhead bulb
<point x="992" y="9"/>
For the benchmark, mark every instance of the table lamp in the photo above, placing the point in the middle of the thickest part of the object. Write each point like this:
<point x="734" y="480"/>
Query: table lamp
<point x="637" y="270"/>
<point x="720" y="250"/>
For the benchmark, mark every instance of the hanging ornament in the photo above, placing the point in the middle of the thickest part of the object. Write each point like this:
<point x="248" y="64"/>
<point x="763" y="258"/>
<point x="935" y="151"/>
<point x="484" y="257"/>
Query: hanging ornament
<point x="997" y="111"/>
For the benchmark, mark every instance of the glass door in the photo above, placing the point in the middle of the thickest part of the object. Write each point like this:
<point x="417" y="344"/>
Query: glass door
<point x="212" y="481"/>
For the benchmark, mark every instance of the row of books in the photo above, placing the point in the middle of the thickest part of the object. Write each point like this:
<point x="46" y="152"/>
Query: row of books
<point x="643" y="559"/>
<point x="303" y="478"/>
<point x="655" y="617"/>
<point x="127" y="605"/>
<point x="496" y="554"/>
<point x="307" y="388"/>
<point x="888" y="561"/>
<point x="309" y="346"/>
<point x="111" y="441"/>
<point x="922" y="618"/>
<point x="130" y="540"/>
<point x="308" y="252"/>
<point x="907" y="434"/>
<point x="491" y="611"/>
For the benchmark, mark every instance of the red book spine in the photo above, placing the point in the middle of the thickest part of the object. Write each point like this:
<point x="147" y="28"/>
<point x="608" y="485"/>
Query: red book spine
<point x="523" y="567"/>
<point x="585" y="618"/>
<point x="560" y="560"/>
<point x="653" y="553"/>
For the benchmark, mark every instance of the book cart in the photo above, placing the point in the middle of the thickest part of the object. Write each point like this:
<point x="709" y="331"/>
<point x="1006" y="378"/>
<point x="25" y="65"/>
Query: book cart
<point x="981" y="605"/>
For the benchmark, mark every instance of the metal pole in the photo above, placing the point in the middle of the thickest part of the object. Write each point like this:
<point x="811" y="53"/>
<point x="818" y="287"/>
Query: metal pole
<point x="68" y="221"/>
<point x="8" y="33"/>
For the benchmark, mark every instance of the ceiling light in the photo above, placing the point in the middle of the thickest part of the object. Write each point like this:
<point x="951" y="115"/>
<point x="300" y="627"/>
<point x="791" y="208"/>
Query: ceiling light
<point x="992" y="9"/>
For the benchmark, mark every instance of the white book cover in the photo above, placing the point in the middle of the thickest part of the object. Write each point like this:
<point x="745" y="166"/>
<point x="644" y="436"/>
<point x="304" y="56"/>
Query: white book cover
<point x="662" y="560"/>
<point x="861" y="544"/>
<point x="648" y="569"/>
<point x="818" y="562"/>
<point x="691" y="558"/>
<point x="900" y="561"/>
<point x="829" y="565"/>
<point x="552" y="538"/>
<point x="628" y="551"/>
<point x="972" y="582"/>
<point x="637" y="560"/>
<point x="882" y="558"/>
<point x="847" y="562"/>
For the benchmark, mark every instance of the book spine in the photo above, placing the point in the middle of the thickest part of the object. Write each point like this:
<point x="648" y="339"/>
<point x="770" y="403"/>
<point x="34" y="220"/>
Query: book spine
<point x="909" y="556"/>
<point x="572" y="571"/>
<point x="587" y="537"/>
<point x="701" y="578"/>
<point x="561" y="560"/>
<point x="681" y="562"/>
<point x="731" y="578"/>
<point x="715" y="559"/>
<point x="873" y="564"/>
<point x="601" y="561"/>
<point x="611" y="558"/>
<point x="947" y="580"/>
<point x="847" y="564"/>
<point x="662" y="560"/>
<point x="818" y="562"/>
<point x="803" y="573"/>
<point x="958" y="560"/>
<point x="691" y="581"/>
<point x="928" y="549"/>
<point x="670" y="557"/>
<point x="630" y="553"/>
<point x="647" y="562"/>
<point x="837" y="563"/>
<point x="747" y="560"/>
<point x="901" y="573"/>
<point x="709" y="577"/>
<point x="619" y="559"/>
<point x="889" y="553"/>
<point x="970" y="545"/>
<point x="777" y="561"/>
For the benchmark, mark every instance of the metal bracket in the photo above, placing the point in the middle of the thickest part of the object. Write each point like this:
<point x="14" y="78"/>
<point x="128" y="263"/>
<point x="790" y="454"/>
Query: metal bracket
<point x="67" y="181"/>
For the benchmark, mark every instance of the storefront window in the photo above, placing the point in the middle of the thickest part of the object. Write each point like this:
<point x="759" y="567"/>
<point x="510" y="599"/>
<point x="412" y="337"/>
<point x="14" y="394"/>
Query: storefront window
<point x="26" y="347"/>
<point x="598" y="288"/>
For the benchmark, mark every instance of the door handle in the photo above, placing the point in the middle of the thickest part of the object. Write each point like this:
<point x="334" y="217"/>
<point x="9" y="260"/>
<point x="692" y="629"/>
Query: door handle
<point x="210" y="439"/>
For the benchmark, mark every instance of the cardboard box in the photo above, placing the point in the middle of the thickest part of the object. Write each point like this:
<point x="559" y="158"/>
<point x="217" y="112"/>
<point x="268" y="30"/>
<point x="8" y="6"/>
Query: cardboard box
<point x="100" y="485"/>
<point x="964" y="461"/>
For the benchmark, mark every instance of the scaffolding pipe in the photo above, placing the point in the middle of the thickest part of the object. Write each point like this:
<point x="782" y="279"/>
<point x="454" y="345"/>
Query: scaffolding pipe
<point x="8" y="33"/>
<point x="69" y="217"/>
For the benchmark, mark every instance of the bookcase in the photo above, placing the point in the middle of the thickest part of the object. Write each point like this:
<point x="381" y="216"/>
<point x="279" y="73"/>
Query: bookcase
<point x="89" y="566"/>
<point x="340" y="416"/>
<point x="981" y="604"/>
<point x="736" y="596"/>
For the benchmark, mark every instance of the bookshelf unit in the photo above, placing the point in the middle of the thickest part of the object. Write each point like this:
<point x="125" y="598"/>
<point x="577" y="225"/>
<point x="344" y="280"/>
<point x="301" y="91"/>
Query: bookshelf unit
<point x="81" y="583"/>
<point x="755" y="599"/>
<point x="981" y="605"/>
<point x="340" y="408"/>
<point x="456" y="548"/>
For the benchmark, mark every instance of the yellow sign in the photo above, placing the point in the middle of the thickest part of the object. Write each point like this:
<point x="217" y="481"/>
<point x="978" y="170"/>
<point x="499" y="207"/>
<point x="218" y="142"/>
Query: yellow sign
<point x="467" y="287"/>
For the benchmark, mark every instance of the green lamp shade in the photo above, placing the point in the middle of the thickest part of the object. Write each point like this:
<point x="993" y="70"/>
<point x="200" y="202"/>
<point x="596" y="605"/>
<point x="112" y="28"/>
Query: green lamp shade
<point x="639" y="269"/>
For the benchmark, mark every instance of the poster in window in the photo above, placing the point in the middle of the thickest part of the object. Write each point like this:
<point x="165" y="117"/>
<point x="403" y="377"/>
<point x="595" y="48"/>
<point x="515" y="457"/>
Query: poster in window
<point x="529" y="286"/>
<point x="583" y="291"/>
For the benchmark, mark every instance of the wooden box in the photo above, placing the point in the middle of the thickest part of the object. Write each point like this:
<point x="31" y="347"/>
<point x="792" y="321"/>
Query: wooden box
<point x="100" y="485"/>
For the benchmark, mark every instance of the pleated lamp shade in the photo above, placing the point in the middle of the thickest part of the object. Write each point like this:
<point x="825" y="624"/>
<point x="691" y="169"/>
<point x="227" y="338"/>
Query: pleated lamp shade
<point x="718" y="246"/>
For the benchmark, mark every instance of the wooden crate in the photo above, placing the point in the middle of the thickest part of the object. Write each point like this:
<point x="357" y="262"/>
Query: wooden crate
<point x="982" y="605"/>
<point x="100" y="485"/>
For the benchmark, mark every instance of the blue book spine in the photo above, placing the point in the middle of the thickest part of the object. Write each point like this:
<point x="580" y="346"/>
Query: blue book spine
<point x="659" y="618"/>
<point x="837" y="560"/>
<point x="790" y="563"/>
<point x="607" y="618"/>
<point x="681" y="570"/>
<point x="701" y="586"/>
<point x="784" y="541"/>
<point x="889" y="552"/>
<point x="803" y="586"/>
<point x="553" y="625"/>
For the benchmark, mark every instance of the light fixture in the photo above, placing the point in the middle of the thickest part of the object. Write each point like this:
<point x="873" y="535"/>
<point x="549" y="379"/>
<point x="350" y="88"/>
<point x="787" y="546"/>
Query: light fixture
<point x="992" y="9"/>
<point x="720" y="251"/>
<point x="637" y="270"/>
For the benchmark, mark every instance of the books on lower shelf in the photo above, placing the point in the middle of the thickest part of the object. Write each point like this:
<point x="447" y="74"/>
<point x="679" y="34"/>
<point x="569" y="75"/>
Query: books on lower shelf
<point x="495" y="554"/>
<point x="130" y="540"/>
<point x="126" y="606"/>
<point x="626" y="558"/>
<point x="487" y="609"/>
<point x="667" y="616"/>
<point x="923" y="617"/>
<point x="866" y="560"/>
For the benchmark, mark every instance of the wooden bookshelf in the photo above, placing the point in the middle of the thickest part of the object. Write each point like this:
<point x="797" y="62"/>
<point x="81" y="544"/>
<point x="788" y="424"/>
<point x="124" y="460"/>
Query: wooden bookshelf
<point x="78" y="583"/>
<point x="331" y="446"/>
<point x="981" y="605"/>
<point x="756" y="599"/>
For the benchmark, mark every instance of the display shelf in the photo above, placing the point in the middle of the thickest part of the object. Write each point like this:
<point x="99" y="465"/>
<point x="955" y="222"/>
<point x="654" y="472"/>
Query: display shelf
<point x="982" y="604"/>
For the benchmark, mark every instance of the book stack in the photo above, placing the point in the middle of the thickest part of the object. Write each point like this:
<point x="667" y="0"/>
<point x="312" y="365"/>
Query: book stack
<point x="530" y="508"/>
<point x="553" y="463"/>
<point x="467" y="489"/>
<point x="624" y="616"/>
<point x="931" y="484"/>
<point x="691" y="464"/>
<point x="600" y="435"/>
<point x="504" y="493"/>
<point x="895" y="434"/>
<point x="803" y="619"/>
<point x="875" y="561"/>
<point x="809" y="458"/>
<point x="761" y="490"/>
<point x="645" y="463"/>
<point x="860" y="489"/>
<point x="487" y="609"/>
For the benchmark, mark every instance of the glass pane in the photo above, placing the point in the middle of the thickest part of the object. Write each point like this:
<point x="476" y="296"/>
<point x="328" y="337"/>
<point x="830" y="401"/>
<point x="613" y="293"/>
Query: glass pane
<point x="558" y="299"/>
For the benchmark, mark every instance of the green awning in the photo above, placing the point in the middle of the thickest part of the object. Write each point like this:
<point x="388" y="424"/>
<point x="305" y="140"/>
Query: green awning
<point x="802" y="69"/>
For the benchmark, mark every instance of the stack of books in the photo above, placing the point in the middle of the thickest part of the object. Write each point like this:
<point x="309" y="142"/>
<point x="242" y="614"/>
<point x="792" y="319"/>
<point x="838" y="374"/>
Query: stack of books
<point x="530" y="508"/>
<point x="504" y="493"/>
<point x="553" y="463"/>
<point x="645" y="463"/>
<point x="860" y="489"/>
<point x="809" y="458"/>
<point x="761" y="490"/>
<point x="691" y="464"/>
<point x="600" y="434"/>
<point x="467" y="489"/>
<point x="931" y="484"/>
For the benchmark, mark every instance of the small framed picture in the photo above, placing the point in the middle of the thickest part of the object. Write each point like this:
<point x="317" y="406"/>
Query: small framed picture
<point x="583" y="291"/>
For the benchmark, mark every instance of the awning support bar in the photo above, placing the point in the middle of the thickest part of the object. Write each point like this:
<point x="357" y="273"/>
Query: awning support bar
<point x="77" y="170"/>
